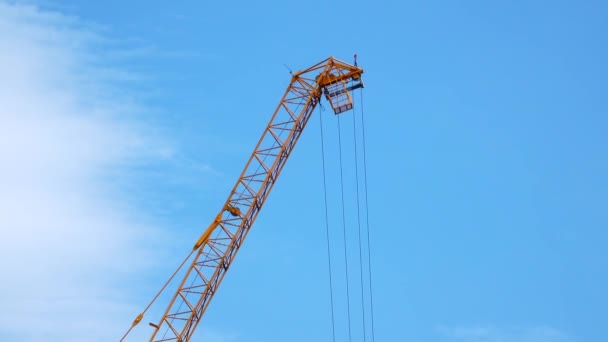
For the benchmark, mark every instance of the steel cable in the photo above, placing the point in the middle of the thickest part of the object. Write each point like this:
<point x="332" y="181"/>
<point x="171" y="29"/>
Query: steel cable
<point x="369" y="250"/>
<point x="359" y="219"/>
<point x="331" y="288"/>
<point x="344" y="229"/>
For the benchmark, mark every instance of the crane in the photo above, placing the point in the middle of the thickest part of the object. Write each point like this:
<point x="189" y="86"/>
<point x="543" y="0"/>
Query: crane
<point x="216" y="248"/>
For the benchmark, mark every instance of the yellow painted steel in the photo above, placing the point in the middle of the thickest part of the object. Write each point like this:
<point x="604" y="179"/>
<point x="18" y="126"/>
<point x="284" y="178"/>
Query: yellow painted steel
<point x="216" y="248"/>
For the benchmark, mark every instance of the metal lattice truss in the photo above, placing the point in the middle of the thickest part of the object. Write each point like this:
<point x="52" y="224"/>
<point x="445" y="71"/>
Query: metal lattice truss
<point x="219" y="244"/>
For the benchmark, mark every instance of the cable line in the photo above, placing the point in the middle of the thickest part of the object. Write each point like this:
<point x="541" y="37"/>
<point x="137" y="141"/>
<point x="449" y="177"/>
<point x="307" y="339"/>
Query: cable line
<point x="331" y="288"/>
<point x="359" y="218"/>
<point x="369" y="250"/>
<point x="141" y="315"/>
<point x="344" y="228"/>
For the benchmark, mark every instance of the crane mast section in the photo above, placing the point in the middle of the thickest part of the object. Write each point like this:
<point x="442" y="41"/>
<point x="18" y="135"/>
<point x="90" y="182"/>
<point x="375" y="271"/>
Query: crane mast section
<point x="220" y="242"/>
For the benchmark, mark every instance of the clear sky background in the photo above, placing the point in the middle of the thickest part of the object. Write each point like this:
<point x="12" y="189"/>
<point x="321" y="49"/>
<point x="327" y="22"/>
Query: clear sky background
<point x="123" y="125"/>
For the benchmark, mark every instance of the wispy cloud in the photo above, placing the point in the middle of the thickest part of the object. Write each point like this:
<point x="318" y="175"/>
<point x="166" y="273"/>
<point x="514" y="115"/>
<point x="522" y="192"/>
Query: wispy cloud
<point x="504" y="334"/>
<point x="69" y="240"/>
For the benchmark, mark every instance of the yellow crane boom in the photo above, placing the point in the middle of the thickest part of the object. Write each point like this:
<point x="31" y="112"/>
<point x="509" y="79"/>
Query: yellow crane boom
<point x="216" y="248"/>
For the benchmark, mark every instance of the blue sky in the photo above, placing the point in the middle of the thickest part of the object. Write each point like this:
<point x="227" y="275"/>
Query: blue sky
<point x="486" y="130"/>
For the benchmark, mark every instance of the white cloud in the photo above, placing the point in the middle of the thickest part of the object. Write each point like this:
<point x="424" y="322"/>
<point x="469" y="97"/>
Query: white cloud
<point x="69" y="241"/>
<point x="510" y="334"/>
